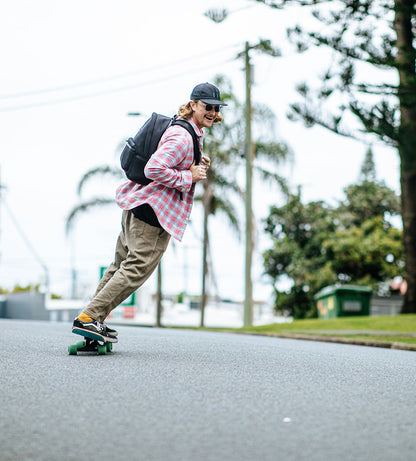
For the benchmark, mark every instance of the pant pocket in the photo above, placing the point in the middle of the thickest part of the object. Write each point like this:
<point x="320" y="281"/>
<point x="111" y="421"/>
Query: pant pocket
<point x="137" y="227"/>
<point x="162" y="241"/>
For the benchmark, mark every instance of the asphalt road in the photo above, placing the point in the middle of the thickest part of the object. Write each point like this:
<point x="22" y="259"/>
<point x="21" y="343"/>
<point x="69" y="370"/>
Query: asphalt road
<point x="186" y="395"/>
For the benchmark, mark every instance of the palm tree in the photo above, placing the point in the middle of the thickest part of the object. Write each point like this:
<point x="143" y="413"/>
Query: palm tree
<point x="87" y="205"/>
<point x="225" y="147"/>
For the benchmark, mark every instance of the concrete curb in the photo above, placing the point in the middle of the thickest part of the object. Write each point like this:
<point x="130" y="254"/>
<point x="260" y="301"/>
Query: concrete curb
<point x="335" y="339"/>
<point x="322" y="338"/>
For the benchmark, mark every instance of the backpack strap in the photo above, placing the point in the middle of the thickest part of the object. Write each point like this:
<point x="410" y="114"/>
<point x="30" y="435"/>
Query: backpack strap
<point x="188" y="127"/>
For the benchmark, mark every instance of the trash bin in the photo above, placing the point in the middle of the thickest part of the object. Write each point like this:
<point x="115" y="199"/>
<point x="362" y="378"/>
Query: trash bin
<point x="343" y="301"/>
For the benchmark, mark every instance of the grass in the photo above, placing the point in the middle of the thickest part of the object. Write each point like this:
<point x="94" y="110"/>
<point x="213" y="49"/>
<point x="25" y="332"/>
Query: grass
<point x="386" y="329"/>
<point x="387" y="323"/>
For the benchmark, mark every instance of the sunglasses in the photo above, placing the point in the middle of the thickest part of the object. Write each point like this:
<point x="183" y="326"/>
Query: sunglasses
<point x="209" y="107"/>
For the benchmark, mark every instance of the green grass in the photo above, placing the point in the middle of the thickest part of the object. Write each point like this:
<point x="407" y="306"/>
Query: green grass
<point x="359" y="328"/>
<point x="385" y="329"/>
<point x="400" y="323"/>
<point x="400" y="328"/>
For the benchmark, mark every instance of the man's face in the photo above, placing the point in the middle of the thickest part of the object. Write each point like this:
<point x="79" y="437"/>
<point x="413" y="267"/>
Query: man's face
<point x="202" y="117"/>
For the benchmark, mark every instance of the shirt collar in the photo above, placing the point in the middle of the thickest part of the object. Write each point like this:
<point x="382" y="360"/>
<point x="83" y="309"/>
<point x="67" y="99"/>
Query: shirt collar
<point x="198" y="131"/>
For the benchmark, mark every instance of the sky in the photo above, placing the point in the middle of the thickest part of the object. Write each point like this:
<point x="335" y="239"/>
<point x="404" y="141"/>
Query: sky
<point x="70" y="75"/>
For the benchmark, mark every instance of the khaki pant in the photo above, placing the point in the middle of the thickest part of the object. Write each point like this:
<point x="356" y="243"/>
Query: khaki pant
<point x="139" y="249"/>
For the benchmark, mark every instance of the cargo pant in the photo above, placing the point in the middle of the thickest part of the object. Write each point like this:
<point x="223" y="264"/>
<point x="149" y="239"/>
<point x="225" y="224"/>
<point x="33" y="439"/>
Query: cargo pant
<point x="139" y="250"/>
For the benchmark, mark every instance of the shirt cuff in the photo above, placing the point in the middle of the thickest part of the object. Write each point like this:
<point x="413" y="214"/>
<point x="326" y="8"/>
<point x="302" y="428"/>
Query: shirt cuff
<point x="187" y="181"/>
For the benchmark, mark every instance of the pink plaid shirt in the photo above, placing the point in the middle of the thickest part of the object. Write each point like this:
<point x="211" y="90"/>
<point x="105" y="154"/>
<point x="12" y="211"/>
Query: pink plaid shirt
<point x="169" y="167"/>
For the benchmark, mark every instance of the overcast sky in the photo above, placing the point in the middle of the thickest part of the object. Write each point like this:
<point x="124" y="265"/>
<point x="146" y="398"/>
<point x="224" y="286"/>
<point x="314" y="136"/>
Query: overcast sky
<point x="71" y="72"/>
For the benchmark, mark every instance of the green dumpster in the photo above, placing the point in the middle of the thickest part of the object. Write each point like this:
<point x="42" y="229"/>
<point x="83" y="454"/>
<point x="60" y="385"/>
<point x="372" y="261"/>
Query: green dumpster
<point x="343" y="301"/>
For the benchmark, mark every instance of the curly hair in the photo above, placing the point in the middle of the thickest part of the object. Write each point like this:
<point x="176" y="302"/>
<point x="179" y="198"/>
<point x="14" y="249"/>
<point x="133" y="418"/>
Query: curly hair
<point x="186" y="112"/>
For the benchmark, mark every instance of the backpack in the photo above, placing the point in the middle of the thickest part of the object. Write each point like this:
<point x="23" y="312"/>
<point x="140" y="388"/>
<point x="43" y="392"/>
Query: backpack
<point x="139" y="149"/>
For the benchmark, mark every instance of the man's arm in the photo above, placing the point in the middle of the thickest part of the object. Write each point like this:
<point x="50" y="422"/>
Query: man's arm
<point x="162" y="165"/>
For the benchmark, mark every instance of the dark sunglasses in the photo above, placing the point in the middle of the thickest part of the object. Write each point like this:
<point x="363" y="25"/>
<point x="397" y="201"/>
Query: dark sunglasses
<point x="209" y="107"/>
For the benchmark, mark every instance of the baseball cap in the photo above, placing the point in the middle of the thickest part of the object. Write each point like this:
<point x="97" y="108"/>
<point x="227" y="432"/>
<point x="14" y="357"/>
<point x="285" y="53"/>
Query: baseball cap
<point x="208" y="93"/>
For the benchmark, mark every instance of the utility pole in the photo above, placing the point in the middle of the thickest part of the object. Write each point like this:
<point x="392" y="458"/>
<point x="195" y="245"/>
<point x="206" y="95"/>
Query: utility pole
<point x="159" y="305"/>
<point x="207" y="200"/>
<point x="265" y="47"/>
<point x="1" y="187"/>
<point x="73" y="267"/>
<point x="249" y="154"/>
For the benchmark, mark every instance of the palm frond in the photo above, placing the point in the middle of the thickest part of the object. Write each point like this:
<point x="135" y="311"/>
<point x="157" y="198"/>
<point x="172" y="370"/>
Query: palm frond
<point x="273" y="178"/>
<point x="264" y="118"/>
<point x="99" y="171"/>
<point x="228" y="209"/>
<point x="274" y="151"/>
<point x="223" y="183"/>
<point x="84" y="207"/>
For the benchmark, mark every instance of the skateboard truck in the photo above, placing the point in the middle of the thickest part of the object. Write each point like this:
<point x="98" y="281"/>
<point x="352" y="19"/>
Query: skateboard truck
<point x="90" y="345"/>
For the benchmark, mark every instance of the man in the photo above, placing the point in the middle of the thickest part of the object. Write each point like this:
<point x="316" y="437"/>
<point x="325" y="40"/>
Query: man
<point x="155" y="212"/>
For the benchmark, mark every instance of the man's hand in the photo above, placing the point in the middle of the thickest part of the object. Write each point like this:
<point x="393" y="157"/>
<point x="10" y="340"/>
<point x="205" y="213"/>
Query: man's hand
<point x="199" y="172"/>
<point x="206" y="161"/>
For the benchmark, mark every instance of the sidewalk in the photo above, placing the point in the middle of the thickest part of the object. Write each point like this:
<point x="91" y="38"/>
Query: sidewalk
<point x="228" y="318"/>
<point x="330" y="337"/>
<point x="364" y="332"/>
<point x="216" y="316"/>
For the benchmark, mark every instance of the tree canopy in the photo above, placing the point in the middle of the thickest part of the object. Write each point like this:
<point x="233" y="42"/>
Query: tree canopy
<point x="315" y="245"/>
<point x="371" y="78"/>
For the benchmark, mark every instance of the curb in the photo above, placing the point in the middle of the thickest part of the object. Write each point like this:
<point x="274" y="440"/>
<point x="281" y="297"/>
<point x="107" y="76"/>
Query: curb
<point x="336" y="339"/>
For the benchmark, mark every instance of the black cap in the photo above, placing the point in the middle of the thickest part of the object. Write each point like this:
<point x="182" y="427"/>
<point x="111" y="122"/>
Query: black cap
<point x="208" y="93"/>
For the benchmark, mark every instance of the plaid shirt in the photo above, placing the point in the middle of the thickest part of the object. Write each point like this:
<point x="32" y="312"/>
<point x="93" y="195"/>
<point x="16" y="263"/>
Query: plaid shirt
<point x="169" y="167"/>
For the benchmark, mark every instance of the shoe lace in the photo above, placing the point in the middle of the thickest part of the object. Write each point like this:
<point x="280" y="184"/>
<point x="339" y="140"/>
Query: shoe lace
<point x="101" y="326"/>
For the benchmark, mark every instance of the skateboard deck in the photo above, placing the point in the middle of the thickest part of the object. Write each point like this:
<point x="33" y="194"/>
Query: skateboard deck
<point x="91" y="343"/>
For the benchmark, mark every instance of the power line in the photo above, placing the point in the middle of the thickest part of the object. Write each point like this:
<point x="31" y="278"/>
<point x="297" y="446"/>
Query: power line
<point x="108" y="91"/>
<point x="114" y="77"/>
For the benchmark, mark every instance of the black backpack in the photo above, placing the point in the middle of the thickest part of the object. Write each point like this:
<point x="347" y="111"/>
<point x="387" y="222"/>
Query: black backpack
<point x="139" y="149"/>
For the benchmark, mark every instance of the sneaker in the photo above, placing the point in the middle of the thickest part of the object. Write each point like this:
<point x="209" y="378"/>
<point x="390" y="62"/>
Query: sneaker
<point x="110" y="331"/>
<point x="93" y="327"/>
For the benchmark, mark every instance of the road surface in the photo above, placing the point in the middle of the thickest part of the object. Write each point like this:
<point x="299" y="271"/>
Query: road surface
<point x="186" y="395"/>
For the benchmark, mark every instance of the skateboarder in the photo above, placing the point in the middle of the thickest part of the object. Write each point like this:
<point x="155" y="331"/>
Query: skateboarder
<point x="155" y="212"/>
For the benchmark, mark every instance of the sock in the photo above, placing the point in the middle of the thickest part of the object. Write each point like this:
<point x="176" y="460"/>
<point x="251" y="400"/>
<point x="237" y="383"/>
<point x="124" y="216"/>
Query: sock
<point x="84" y="317"/>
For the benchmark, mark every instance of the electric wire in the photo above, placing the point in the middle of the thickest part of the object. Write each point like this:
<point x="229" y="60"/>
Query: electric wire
<point x="108" y="91"/>
<point x="115" y="77"/>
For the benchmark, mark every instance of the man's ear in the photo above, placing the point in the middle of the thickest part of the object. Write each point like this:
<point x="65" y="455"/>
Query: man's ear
<point x="193" y="104"/>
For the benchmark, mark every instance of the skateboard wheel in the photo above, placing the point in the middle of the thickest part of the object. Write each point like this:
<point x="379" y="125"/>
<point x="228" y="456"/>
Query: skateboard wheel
<point x="102" y="349"/>
<point x="72" y="349"/>
<point x="80" y="344"/>
<point x="109" y="347"/>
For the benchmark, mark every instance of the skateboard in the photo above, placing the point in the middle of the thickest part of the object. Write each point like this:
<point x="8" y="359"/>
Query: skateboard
<point x="92" y="343"/>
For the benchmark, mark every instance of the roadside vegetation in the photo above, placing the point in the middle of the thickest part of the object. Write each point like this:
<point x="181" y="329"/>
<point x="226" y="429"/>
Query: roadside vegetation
<point x="368" y="90"/>
<point x="315" y="244"/>
<point x="383" y="329"/>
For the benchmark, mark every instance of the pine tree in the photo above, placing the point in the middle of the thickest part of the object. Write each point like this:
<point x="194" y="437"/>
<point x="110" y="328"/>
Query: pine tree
<point x="315" y="245"/>
<point x="374" y="36"/>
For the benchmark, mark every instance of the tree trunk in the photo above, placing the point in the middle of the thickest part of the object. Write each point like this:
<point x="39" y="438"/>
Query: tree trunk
<point x="408" y="186"/>
<point x="207" y="198"/>
<point x="159" y="306"/>
<point x="407" y="142"/>
<point x="204" y="269"/>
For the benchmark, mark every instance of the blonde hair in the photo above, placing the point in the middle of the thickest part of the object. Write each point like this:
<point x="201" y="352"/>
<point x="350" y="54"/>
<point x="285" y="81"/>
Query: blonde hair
<point x="186" y="112"/>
